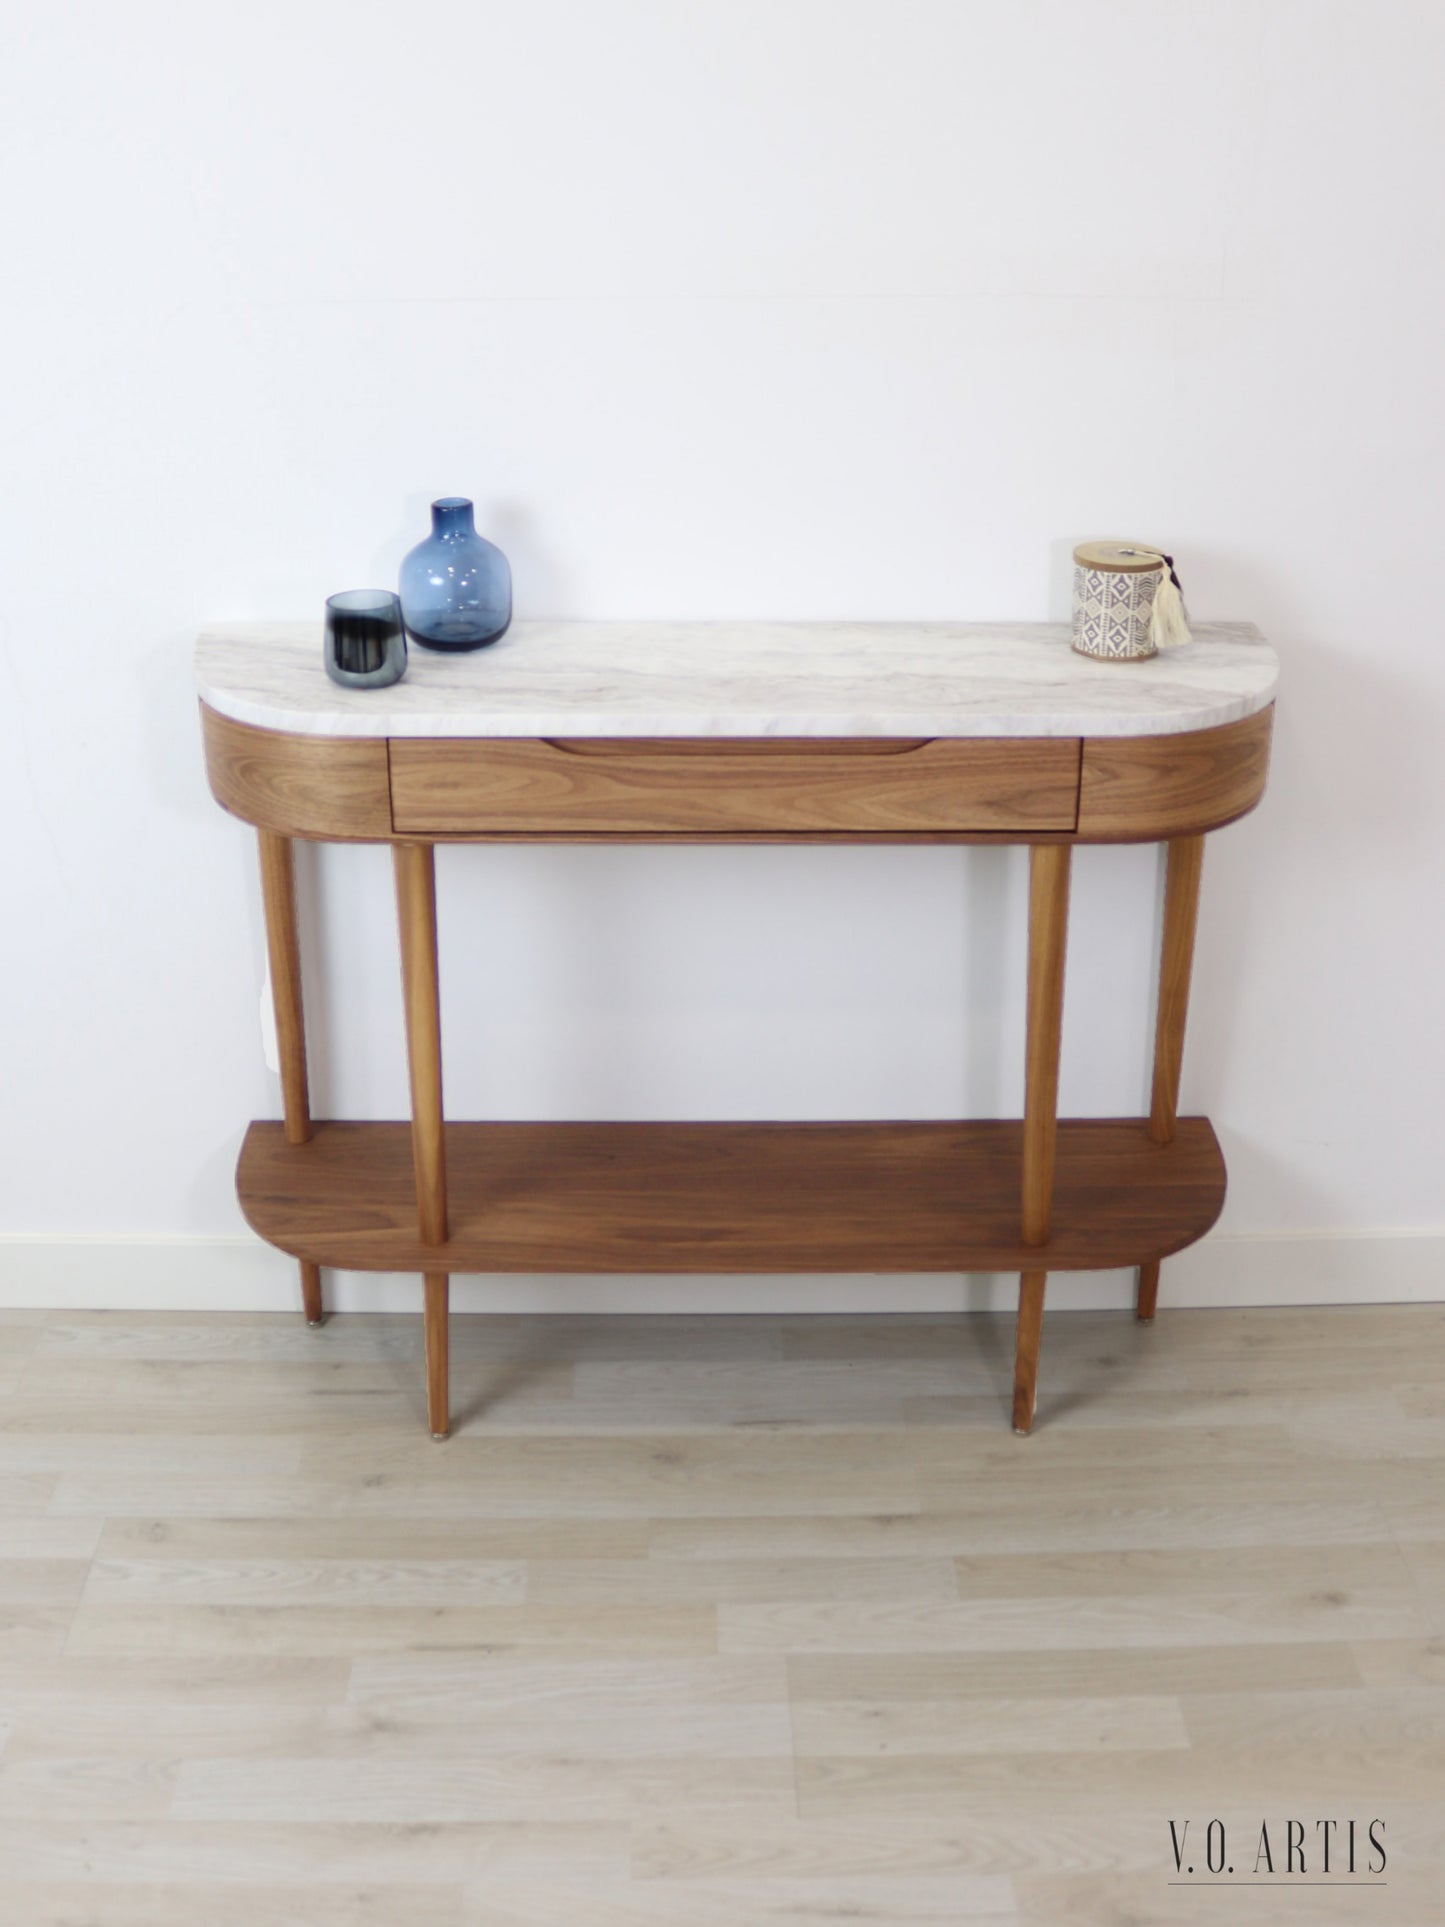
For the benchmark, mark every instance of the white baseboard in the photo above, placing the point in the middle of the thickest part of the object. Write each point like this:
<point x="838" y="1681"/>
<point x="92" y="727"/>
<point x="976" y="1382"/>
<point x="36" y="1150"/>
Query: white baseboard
<point x="242" y="1274"/>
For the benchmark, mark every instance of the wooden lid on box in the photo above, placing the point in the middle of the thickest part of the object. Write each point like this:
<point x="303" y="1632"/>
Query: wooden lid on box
<point x="1123" y="558"/>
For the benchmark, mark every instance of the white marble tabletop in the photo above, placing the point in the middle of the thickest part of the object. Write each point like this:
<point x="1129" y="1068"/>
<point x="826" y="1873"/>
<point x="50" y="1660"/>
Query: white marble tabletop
<point x="746" y="679"/>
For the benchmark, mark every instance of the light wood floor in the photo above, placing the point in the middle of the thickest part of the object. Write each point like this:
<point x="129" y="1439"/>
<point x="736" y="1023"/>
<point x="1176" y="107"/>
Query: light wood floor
<point x="715" y="1621"/>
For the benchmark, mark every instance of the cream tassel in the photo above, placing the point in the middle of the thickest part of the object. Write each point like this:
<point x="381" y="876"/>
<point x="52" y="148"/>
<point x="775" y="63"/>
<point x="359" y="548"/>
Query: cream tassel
<point x="1168" y="628"/>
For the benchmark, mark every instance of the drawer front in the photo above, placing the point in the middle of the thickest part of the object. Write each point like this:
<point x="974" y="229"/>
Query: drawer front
<point x="722" y="787"/>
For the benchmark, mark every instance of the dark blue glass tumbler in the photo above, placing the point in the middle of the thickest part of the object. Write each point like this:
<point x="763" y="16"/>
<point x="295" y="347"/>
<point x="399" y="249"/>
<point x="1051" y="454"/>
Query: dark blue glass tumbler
<point x="365" y="639"/>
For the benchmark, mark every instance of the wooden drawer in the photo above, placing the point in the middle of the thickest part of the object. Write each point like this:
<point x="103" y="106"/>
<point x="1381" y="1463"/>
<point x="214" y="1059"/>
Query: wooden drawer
<point x="730" y="786"/>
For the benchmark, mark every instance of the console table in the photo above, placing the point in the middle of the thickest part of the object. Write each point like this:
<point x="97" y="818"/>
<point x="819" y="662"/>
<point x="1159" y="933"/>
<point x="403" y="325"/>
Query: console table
<point x="575" y="732"/>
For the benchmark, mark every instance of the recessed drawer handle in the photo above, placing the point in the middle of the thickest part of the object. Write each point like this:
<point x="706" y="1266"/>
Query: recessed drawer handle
<point x="645" y="749"/>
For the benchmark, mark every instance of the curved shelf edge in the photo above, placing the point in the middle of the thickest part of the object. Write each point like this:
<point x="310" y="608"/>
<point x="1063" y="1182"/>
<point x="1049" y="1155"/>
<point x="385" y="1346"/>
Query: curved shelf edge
<point x="665" y="1197"/>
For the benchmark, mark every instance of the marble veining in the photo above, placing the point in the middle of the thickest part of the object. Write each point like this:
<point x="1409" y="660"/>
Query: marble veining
<point x="746" y="679"/>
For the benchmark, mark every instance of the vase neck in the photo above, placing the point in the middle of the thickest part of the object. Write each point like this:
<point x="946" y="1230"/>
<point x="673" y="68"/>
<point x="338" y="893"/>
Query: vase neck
<point x="452" y="515"/>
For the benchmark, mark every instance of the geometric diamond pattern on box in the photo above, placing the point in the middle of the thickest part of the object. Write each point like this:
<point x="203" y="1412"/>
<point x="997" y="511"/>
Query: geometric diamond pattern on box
<point x="1112" y="608"/>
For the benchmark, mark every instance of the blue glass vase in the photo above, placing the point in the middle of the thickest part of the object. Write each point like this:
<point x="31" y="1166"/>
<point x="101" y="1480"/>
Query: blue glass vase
<point x="456" y="587"/>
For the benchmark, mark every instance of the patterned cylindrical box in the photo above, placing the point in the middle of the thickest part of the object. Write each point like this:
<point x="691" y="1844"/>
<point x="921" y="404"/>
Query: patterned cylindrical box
<point x="1115" y="584"/>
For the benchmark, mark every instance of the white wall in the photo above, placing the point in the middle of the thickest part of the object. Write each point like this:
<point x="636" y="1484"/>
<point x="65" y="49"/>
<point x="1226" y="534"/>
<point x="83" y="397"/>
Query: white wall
<point x="783" y="307"/>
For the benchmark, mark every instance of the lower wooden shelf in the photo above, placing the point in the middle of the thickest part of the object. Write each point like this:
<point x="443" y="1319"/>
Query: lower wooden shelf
<point x="732" y="1197"/>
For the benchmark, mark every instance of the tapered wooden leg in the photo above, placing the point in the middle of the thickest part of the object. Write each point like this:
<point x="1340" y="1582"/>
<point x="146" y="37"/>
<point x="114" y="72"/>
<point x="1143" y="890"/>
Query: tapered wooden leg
<point x="1026" y="1357"/>
<point x="1048" y="931"/>
<point x="417" y="917"/>
<point x="283" y="949"/>
<point x="311" y="1292"/>
<point x="1176" y="962"/>
<point x="1181" y="917"/>
<point x="438" y="1399"/>
<point x="1148" y="1297"/>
